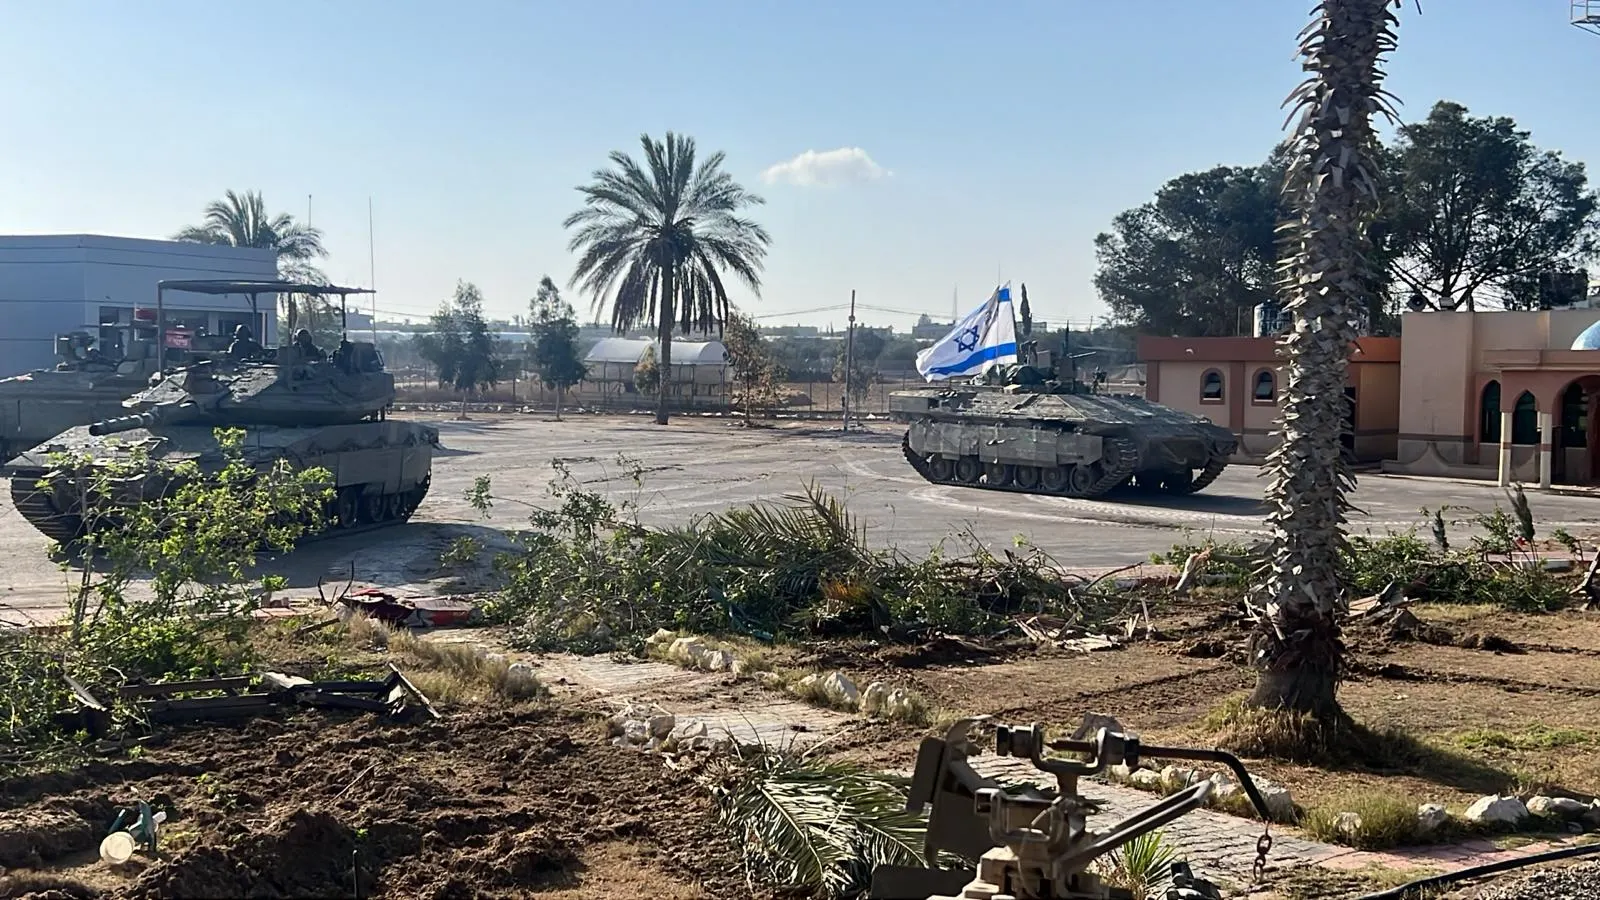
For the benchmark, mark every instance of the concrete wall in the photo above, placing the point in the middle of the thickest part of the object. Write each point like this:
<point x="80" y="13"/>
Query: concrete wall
<point x="50" y="284"/>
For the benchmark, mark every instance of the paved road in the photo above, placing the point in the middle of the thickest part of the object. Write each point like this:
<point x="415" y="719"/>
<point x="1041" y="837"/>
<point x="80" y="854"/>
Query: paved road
<point x="703" y="465"/>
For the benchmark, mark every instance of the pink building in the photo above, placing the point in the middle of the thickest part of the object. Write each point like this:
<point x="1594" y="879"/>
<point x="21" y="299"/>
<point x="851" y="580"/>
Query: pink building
<point x="1504" y="395"/>
<point x="1234" y="381"/>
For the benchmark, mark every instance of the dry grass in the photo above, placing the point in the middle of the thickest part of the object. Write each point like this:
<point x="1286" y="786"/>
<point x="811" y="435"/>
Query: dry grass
<point x="450" y="674"/>
<point x="1386" y="821"/>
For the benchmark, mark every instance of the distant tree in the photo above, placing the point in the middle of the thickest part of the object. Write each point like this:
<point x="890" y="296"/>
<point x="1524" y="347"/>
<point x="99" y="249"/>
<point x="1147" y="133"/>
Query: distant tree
<point x="647" y="373"/>
<point x="751" y="359"/>
<point x="1478" y="209"/>
<point x="241" y="220"/>
<point x="666" y="231"/>
<point x="869" y="345"/>
<point x="1197" y="258"/>
<point x="1027" y="313"/>
<point x="554" y="330"/>
<point x="443" y="346"/>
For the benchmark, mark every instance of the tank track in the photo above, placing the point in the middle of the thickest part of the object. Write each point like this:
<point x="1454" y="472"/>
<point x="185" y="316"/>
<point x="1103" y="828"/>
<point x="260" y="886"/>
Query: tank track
<point x="1214" y="467"/>
<point x="1126" y="460"/>
<point x="64" y="528"/>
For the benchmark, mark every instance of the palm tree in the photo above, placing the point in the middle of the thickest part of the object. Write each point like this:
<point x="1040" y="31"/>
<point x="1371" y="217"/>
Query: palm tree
<point x="1332" y="185"/>
<point x="657" y="240"/>
<point x="242" y="221"/>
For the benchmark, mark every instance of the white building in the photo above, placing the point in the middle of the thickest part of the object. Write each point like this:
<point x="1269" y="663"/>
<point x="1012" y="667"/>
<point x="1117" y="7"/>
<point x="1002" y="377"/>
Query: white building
<point x="53" y="284"/>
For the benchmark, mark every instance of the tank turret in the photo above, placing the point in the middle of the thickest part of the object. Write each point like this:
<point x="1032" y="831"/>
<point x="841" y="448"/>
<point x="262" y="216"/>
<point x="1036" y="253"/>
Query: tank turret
<point x="86" y="384"/>
<point x="294" y="405"/>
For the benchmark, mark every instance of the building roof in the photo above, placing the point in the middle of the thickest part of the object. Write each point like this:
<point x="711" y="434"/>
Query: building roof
<point x="684" y="353"/>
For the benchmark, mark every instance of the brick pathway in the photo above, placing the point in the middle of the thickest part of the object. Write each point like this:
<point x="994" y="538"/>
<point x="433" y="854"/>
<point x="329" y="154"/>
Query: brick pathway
<point x="1223" y="847"/>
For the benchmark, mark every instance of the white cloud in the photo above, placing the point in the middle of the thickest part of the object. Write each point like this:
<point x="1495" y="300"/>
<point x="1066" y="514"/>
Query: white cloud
<point x="846" y="165"/>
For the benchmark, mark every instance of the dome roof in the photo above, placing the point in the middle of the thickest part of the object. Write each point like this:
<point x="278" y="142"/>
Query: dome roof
<point x="1589" y="339"/>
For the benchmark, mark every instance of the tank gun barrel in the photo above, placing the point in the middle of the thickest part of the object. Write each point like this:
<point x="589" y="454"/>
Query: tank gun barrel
<point x="124" y="423"/>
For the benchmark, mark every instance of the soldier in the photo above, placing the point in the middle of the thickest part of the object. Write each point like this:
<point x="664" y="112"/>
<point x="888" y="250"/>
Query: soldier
<point x="307" y="349"/>
<point x="244" y="345"/>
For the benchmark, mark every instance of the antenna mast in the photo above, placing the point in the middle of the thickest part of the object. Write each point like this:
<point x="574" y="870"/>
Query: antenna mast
<point x="372" y="271"/>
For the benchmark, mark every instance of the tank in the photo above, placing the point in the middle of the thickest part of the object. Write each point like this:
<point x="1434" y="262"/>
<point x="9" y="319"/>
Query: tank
<point x="1023" y="429"/>
<point x="85" y="386"/>
<point x="291" y="405"/>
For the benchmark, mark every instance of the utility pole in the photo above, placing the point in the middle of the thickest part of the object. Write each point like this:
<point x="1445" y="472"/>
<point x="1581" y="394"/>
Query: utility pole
<point x="849" y="359"/>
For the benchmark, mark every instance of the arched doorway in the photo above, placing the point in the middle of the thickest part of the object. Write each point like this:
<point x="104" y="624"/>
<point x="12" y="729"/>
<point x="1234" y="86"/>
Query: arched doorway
<point x="1577" y="446"/>
<point x="1525" y="420"/>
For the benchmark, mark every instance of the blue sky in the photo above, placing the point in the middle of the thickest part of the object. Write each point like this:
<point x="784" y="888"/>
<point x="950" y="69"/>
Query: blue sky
<point x="1001" y="136"/>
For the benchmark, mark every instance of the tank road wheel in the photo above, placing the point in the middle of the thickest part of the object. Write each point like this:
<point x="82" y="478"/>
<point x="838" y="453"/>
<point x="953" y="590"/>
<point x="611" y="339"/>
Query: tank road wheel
<point x="1054" y="478"/>
<point x="347" y="508"/>
<point x="1026" y="477"/>
<point x="942" y="468"/>
<point x="374" y="508"/>
<point x="394" y="506"/>
<point x="997" y="474"/>
<point x="1081" y="478"/>
<point x="968" y="470"/>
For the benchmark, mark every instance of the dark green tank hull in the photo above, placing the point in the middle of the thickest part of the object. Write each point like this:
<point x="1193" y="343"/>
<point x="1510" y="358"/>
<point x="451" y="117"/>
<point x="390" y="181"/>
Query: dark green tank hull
<point x="381" y="470"/>
<point x="1057" y="443"/>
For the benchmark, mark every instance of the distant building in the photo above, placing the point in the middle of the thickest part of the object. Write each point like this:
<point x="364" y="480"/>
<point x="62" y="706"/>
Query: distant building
<point x="790" y="331"/>
<point x="699" y="370"/>
<point x="928" y="330"/>
<point x="54" y="284"/>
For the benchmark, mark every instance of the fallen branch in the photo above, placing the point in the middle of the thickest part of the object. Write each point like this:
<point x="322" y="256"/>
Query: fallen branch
<point x="1586" y="589"/>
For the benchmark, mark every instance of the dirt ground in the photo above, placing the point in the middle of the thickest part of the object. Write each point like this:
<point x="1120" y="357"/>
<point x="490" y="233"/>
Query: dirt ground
<point x="329" y="805"/>
<point x="1524" y="717"/>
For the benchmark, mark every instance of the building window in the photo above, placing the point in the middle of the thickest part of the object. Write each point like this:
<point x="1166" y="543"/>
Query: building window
<point x="1211" y="387"/>
<point x="1525" y="420"/>
<point x="1266" y="387"/>
<point x="1489" y="413"/>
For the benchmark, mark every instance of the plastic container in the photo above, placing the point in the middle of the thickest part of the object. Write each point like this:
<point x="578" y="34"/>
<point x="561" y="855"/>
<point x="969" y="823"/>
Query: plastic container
<point x="117" y="848"/>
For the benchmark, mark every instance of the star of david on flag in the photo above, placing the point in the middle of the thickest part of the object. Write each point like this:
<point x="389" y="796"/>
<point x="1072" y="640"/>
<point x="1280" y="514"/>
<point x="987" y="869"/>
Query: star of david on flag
<point x="985" y="338"/>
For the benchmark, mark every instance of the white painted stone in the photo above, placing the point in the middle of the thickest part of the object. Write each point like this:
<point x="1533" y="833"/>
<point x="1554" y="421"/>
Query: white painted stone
<point x="1347" y="824"/>
<point x="806" y="684"/>
<point x="1497" y="810"/>
<point x="688" y="731"/>
<point x="1431" y="817"/>
<point x="739" y="668"/>
<point x="662" y="636"/>
<point x="718" y="661"/>
<point x="841" y="689"/>
<point x="1223" y="786"/>
<point x="1148" y="779"/>
<point x="686" y="651"/>
<point x="1556" y="807"/>
<point x="660" y="726"/>
<point x="1279" y="803"/>
<point x="770" y="679"/>
<point x="1176" y="779"/>
<point x="872" y="698"/>
<point x="899" y="704"/>
<point x="1119" y="772"/>
<point x="636" y="731"/>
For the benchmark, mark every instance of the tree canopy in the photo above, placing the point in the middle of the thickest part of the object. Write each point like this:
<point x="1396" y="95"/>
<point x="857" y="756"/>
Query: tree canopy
<point x="1477" y="212"/>
<point x="554" y="341"/>
<point x="657" y="240"/>
<point x="460" y="347"/>
<point x="1471" y="214"/>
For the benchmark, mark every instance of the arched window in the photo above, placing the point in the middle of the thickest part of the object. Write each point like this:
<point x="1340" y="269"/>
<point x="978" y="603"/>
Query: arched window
<point x="1489" y="413"/>
<point x="1265" y="389"/>
<point x="1525" y="420"/>
<point x="1211" y="387"/>
<point x="1574" y="416"/>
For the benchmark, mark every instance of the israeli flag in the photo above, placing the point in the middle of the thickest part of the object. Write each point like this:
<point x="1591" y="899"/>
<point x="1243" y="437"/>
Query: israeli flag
<point x="987" y="337"/>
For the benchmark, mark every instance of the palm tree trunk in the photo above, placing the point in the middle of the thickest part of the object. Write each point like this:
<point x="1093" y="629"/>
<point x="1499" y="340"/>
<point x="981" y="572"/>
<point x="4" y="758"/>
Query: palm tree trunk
<point x="669" y="307"/>
<point x="1296" y="643"/>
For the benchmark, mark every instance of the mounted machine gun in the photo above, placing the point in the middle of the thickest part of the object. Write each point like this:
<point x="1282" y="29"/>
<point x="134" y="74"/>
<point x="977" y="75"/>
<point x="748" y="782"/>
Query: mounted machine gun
<point x="1034" y="843"/>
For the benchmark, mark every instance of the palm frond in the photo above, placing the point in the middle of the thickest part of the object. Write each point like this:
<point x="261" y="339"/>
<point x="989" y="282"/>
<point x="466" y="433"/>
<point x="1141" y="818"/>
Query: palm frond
<point x="818" y="825"/>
